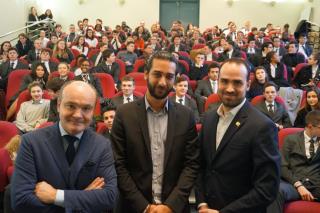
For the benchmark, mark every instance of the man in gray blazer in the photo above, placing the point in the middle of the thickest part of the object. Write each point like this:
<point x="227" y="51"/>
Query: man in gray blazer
<point x="208" y="86"/>
<point x="300" y="165"/>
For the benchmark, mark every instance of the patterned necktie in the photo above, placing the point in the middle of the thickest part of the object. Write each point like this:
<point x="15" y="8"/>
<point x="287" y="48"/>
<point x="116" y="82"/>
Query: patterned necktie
<point x="270" y="108"/>
<point x="311" y="148"/>
<point x="71" y="151"/>
<point x="11" y="66"/>
<point x="85" y="78"/>
<point x="181" y="101"/>
<point x="37" y="55"/>
<point x="128" y="99"/>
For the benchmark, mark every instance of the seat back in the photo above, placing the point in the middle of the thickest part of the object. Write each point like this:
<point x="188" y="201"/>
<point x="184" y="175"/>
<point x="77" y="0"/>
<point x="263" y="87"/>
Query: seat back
<point x="14" y="81"/>
<point x="139" y="63"/>
<point x="107" y="84"/>
<point x="92" y="52"/>
<point x="184" y="54"/>
<point x="75" y="52"/>
<point x="101" y="127"/>
<point x="298" y="68"/>
<point x="138" y="78"/>
<point x="213" y="98"/>
<point x="122" y="66"/>
<point x="7" y="131"/>
<point x="185" y="64"/>
<point x="5" y="163"/>
<point x="283" y="133"/>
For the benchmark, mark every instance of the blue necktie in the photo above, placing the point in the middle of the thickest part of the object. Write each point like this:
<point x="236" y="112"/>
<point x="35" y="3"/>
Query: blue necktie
<point x="71" y="151"/>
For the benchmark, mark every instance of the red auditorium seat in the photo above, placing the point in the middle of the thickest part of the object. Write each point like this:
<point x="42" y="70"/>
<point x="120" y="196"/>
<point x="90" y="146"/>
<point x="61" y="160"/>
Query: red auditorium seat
<point x="5" y="163"/>
<point x="213" y="98"/>
<point x="185" y="64"/>
<point x="107" y="84"/>
<point x="101" y="127"/>
<point x="55" y="74"/>
<point x="138" y="78"/>
<point x="184" y="54"/>
<point x="139" y="63"/>
<point x="122" y="66"/>
<point x="298" y="68"/>
<point x="7" y="131"/>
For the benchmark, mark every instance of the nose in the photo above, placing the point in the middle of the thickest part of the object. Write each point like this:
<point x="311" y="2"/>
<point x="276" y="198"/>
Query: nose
<point x="162" y="81"/>
<point x="77" y="113"/>
<point x="229" y="87"/>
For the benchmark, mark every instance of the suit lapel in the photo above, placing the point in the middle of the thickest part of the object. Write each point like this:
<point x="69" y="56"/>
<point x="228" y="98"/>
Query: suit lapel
<point x="55" y="146"/>
<point x="170" y="131"/>
<point x="302" y="147"/>
<point x="234" y="126"/>
<point x="209" y="86"/>
<point x="213" y="136"/>
<point x="143" y="122"/>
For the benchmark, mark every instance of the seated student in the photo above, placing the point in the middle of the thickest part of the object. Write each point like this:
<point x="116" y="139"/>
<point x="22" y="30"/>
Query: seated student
<point x="80" y="45"/>
<point x="300" y="162"/>
<point x="176" y="45"/>
<point x="128" y="56"/>
<point x="43" y="39"/>
<point x="53" y="86"/>
<point x="23" y="45"/>
<point x="62" y="52"/>
<point x="45" y="56"/>
<point x="262" y="56"/>
<point x="34" y="112"/>
<point x="208" y="86"/>
<point x="303" y="47"/>
<point x="274" y="110"/>
<point x="311" y="103"/>
<point x="53" y="41"/>
<point x="127" y="88"/>
<point x="77" y="67"/>
<point x="310" y="74"/>
<point x="34" y="53"/>
<point x="7" y="67"/>
<point x="98" y="57"/>
<point x="89" y="78"/>
<point x="256" y="86"/>
<point x="109" y="65"/>
<point x="252" y="53"/>
<point x="209" y="56"/>
<point x="109" y="112"/>
<point x="275" y="69"/>
<point x="280" y="50"/>
<point x="64" y="69"/>
<point x="90" y="39"/>
<point x="198" y="70"/>
<point x="229" y="51"/>
<point x="181" y="97"/>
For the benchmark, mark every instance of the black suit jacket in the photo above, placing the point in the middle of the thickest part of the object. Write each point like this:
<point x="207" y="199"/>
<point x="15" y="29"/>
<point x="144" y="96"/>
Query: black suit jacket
<point x="191" y="104"/>
<point x="118" y="100"/>
<point x="114" y="71"/>
<point x="52" y="66"/>
<point x="294" y="163"/>
<point x="279" y="116"/>
<point x="5" y="71"/>
<point x="304" y="76"/>
<point x="204" y="88"/>
<point x="95" y="82"/>
<point x="224" y="56"/>
<point x="243" y="174"/>
<point x="132" y="151"/>
<point x="182" y="47"/>
<point x="279" y="77"/>
<point x="32" y="56"/>
<point x="24" y="49"/>
<point x="197" y="73"/>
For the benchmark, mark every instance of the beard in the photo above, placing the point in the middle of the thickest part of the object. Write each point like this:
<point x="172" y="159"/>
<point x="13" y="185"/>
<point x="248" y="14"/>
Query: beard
<point x="158" y="92"/>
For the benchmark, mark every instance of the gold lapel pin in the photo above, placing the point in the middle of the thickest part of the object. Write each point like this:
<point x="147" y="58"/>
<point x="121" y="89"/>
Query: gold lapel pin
<point x="237" y="123"/>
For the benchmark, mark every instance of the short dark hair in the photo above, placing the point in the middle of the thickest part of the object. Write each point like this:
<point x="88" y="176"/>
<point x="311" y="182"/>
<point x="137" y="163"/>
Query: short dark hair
<point x="313" y="118"/>
<point x="293" y="42"/>
<point x="238" y="61"/>
<point x="180" y="79"/>
<point x="163" y="55"/>
<point x="265" y="45"/>
<point x="107" y="53"/>
<point x="270" y="84"/>
<point x="109" y="107"/>
<point x="128" y="78"/>
<point x="46" y="50"/>
<point x="55" y="84"/>
<point x="270" y="55"/>
<point x="316" y="56"/>
<point x="34" y="84"/>
<point x="13" y="48"/>
<point x="213" y="65"/>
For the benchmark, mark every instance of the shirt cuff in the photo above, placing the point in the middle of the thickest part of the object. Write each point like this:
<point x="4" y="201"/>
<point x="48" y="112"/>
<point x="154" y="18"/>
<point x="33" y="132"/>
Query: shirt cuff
<point x="59" y="201"/>
<point x="202" y="204"/>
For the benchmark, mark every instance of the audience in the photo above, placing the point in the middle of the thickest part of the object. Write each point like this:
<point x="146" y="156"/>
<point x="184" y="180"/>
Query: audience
<point x="260" y="77"/>
<point x="62" y="52"/>
<point x="128" y="56"/>
<point x="276" y="70"/>
<point x="53" y="86"/>
<point x="5" y="46"/>
<point x="108" y="114"/>
<point x="24" y="45"/>
<point x="198" y="69"/>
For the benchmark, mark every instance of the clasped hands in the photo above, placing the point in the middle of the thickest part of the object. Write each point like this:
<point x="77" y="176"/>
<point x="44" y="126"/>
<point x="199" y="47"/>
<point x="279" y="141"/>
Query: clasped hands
<point x="47" y="193"/>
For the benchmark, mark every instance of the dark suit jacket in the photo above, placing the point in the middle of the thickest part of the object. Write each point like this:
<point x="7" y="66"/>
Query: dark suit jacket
<point x="52" y="65"/>
<point x="42" y="158"/>
<point x="204" y="88"/>
<point x="23" y="50"/>
<point x="197" y="73"/>
<point x="182" y="47"/>
<point x="243" y="174"/>
<point x="95" y="82"/>
<point x="191" y="104"/>
<point x="131" y="146"/>
<point x="304" y="76"/>
<point x="224" y="56"/>
<point x="279" y="77"/>
<point x="5" y="71"/>
<point x="280" y="116"/>
<point x="114" y="71"/>
<point x="294" y="163"/>
<point x="118" y="100"/>
<point x="53" y="111"/>
<point x="32" y="56"/>
<point x="94" y="58"/>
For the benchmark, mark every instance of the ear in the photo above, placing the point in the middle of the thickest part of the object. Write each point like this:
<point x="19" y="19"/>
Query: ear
<point x="248" y="85"/>
<point x="146" y="75"/>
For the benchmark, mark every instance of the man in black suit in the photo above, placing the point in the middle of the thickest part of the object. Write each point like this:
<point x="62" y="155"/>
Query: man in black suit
<point x="108" y="115"/>
<point x="98" y="57"/>
<point x="127" y="88"/>
<point x="7" y="67"/>
<point x="208" y="86"/>
<point x="309" y="74"/>
<point x="253" y="53"/>
<point x="303" y="47"/>
<point x="108" y="65"/>
<point x="34" y="53"/>
<point x="240" y="161"/>
<point x="176" y="45"/>
<point x="300" y="162"/>
<point x="273" y="109"/>
<point x="198" y="70"/>
<point x="87" y="77"/>
<point x="45" y="56"/>
<point x="181" y="97"/>
<point x="229" y="51"/>
<point x="23" y="45"/>
<point x="280" y="50"/>
<point x="148" y="135"/>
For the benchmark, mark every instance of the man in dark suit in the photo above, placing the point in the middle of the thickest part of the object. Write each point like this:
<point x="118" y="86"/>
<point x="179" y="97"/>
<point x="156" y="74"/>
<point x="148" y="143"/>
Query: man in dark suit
<point x="198" y="70"/>
<point x="89" y="78"/>
<point x="45" y="56"/>
<point x="181" y="97"/>
<point x="127" y="88"/>
<point x="154" y="175"/>
<point x="208" y="86"/>
<point x="108" y="115"/>
<point x="253" y="53"/>
<point x="7" y="67"/>
<point x="303" y="47"/>
<point x="229" y="51"/>
<point x="176" y="45"/>
<point x="23" y="45"/>
<point x="98" y="57"/>
<point x="240" y="165"/>
<point x="280" y="50"/>
<point x="109" y="65"/>
<point x="34" y="53"/>
<point x="300" y="162"/>
<point x="308" y="75"/>
<point x="273" y="109"/>
<point x="66" y="167"/>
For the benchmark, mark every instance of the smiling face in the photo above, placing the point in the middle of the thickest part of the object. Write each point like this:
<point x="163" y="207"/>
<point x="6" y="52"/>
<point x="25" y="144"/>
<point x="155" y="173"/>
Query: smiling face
<point x="36" y="93"/>
<point x="312" y="99"/>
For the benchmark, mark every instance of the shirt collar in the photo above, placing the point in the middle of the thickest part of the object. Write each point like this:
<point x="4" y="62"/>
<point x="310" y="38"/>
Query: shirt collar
<point x="177" y="98"/>
<point x="148" y="106"/>
<point x="232" y="112"/>
<point x="267" y="103"/>
<point x="130" y="96"/>
<point x="307" y="138"/>
<point x="37" y="102"/>
<point x="63" y="132"/>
